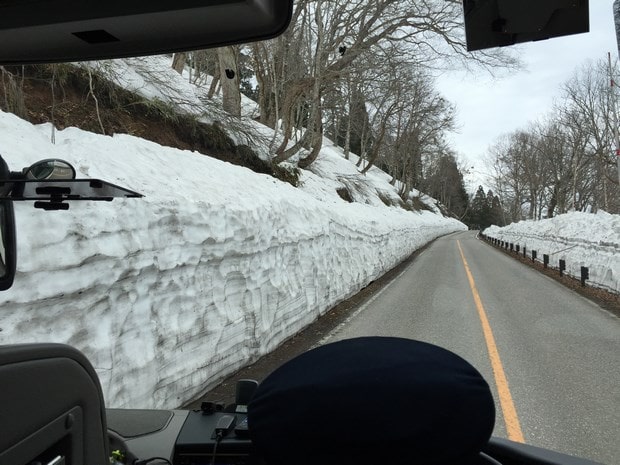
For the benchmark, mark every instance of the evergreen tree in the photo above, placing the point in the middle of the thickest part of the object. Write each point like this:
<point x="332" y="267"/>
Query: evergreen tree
<point x="479" y="210"/>
<point x="445" y="182"/>
<point x="485" y="210"/>
<point x="496" y="212"/>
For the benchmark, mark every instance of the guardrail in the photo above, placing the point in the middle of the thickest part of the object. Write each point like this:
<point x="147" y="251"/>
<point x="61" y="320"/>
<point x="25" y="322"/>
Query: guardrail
<point x="517" y="249"/>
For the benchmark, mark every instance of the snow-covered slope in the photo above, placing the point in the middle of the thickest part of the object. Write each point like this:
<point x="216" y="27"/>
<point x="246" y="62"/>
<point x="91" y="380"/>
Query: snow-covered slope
<point x="214" y="267"/>
<point x="582" y="239"/>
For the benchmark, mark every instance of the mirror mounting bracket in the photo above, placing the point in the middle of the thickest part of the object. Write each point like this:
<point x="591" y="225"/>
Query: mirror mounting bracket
<point x="52" y="194"/>
<point x="51" y="205"/>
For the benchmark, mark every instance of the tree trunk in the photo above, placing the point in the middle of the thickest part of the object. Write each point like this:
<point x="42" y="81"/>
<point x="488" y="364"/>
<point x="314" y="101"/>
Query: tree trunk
<point x="317" y="144"/>
<point x="229" y="78"/>
<point x="347" y="138"/>
<point x="533" y="203"/>
<point x="553" y="202"/>
<point x="267" y="79"/>
<point x="178" y="62"/>
<point x="265" y="99"/>
<point x="317" y="137"/>
<point x="294" y="94"/>
<point x="374" y="152"/>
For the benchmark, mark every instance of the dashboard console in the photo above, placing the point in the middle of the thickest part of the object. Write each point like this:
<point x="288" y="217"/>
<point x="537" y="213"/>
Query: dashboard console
<point x="184" y="437"/>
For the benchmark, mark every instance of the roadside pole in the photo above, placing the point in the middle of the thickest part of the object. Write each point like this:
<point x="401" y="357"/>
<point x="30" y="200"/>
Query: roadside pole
<point x="616" y="8"/>
<point x="614" y="112"/>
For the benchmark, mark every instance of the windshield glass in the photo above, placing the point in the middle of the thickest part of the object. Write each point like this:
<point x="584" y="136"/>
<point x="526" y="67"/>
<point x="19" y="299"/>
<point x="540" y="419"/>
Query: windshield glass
<point x="362" y="174"/>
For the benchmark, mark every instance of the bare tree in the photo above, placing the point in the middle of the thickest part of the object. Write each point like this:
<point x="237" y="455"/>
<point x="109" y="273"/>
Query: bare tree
<point x="327" y="38"/>
<point x="12" y="92"/>
<point x="588" y="98"/>
<point x="507" y="164"/>
<point x="546" y="168"/>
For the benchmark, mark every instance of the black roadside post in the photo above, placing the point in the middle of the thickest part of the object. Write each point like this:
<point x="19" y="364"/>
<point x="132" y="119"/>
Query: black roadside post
<point x="524" y="252"/>
<point x="534" y="254"/>
<point x="545" y="260"/>
<point x="562" y="267"/>
<point x="585" y="274"/>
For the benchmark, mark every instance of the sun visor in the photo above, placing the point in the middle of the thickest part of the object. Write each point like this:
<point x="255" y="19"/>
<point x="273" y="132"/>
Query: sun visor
<point x="498" y="23"/>
<point x="35" y="31"/>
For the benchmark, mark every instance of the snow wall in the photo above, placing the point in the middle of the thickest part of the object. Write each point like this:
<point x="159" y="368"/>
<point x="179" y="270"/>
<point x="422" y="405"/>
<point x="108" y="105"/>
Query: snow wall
<point x="582" y="239"/>
<point x="215" y="267"/>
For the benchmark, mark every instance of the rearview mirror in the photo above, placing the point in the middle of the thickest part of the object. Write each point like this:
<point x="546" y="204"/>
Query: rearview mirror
<point x="70" y="30"/>
<point x="52" y="168"/>
<point x="498" y="23"/>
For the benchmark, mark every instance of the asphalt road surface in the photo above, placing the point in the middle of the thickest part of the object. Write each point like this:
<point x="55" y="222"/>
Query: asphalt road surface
<point x="551" y="357"/>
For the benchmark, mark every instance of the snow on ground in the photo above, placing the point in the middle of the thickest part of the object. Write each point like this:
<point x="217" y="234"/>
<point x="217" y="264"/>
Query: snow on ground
<point x="216" y="266"/>
<point x="153" y="78"/>
<point x="582" y="239"/>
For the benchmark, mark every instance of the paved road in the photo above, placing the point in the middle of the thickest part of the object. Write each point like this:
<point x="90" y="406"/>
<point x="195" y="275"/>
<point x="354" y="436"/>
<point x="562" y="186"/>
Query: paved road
<point x="560" y="353"/>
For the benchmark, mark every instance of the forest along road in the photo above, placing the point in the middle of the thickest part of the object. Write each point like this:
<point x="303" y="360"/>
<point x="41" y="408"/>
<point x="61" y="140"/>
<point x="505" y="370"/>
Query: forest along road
<point x="551" y="357"/>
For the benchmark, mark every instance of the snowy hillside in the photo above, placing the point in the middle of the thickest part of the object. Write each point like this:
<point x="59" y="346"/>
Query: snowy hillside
<point x="216" y="266"/>
<point x="582" y="239"/>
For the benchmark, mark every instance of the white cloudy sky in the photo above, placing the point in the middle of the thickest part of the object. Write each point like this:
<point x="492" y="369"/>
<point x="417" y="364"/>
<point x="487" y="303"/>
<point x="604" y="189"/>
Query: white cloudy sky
<point x="488" y="107"/>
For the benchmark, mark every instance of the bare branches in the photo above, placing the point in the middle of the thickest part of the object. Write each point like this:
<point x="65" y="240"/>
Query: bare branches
<point x="564" y="162"/>
<point x="12" y="92"/>
<point x="335" y="46"/>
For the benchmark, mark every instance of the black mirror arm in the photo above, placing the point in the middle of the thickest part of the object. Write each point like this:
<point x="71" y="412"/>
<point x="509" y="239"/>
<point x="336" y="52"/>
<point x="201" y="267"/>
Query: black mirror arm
<point x="16" y="175"/>
<point x="16" y="189"/>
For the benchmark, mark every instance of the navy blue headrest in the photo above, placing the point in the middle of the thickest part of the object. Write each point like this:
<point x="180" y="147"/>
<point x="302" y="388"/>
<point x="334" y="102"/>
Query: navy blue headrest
<point x="372" y="400"/>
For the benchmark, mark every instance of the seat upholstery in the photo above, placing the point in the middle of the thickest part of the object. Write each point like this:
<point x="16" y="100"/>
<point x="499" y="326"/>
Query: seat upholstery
<point x="51" y="405"/>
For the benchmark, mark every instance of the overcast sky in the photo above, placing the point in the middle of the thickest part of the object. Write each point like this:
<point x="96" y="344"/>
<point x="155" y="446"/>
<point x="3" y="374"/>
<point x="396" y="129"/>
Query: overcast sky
<point x="488" y="107"/>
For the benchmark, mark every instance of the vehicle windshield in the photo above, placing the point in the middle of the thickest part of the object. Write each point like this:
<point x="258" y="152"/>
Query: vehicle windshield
<point x="362" y="174"/>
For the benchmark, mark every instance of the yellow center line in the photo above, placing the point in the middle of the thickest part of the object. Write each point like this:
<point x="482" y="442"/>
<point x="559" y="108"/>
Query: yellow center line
<point x="505" y="398"/>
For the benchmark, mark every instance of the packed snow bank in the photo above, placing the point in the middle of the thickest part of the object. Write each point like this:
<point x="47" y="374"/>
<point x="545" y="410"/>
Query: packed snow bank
<point x="216" y="266"/>
<point x="582" y="239"/>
